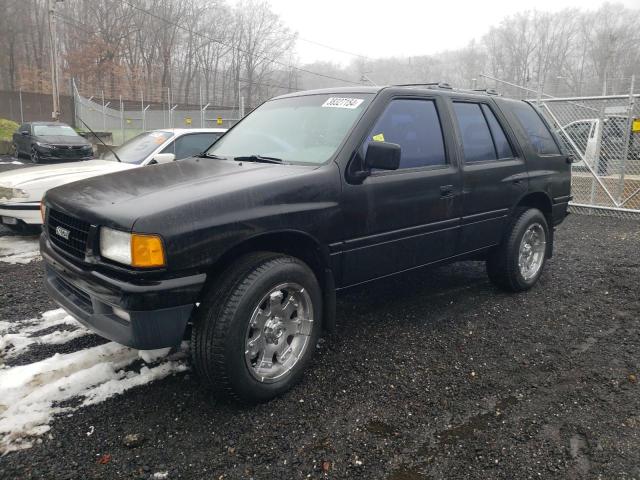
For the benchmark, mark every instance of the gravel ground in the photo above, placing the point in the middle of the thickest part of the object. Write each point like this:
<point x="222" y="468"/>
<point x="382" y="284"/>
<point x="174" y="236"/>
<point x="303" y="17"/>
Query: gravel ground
<point x="433" y="375"/>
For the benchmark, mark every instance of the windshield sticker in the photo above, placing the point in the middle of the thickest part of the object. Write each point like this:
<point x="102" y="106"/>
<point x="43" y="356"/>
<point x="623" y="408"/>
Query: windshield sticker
<point x="378" y="138"/>
<point x="342" y="102"/>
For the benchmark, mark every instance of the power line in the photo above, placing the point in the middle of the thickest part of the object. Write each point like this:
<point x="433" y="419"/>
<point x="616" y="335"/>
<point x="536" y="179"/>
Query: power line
<point x="329" y="47"/>
<point x="200" y="34"/>
<point x="79" y="26"/>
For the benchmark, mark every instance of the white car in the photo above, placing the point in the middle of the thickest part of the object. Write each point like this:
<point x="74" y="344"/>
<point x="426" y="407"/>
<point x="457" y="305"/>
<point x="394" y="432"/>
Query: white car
<point x="584" y="134"/>
<point x="22" y="190"/>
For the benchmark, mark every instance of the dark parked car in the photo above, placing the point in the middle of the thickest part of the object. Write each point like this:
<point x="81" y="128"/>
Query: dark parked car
<point x="50" y="142"/>
<point x="246" y="246"/>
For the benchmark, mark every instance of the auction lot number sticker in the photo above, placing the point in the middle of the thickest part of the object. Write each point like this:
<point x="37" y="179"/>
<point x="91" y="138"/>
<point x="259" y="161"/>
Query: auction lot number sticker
<point x="342" y="102"/>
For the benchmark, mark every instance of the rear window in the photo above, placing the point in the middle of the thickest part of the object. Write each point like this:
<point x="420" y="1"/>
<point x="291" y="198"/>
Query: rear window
<point x="538" y="133"/>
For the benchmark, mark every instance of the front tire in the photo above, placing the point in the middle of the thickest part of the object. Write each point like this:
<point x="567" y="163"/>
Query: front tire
<point x="34" y="156"/>
<point x="257" y="327"/>
<point x="517" y="263"/>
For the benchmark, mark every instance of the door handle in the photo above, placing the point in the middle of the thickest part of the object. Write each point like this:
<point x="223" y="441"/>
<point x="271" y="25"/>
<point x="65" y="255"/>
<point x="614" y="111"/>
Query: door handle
<point x="446" y="191"/>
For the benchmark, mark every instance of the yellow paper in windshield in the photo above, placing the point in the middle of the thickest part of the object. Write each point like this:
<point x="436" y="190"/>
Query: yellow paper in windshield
<point x="378" y="138"/>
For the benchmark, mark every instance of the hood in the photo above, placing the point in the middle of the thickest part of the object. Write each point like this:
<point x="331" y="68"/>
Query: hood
<point x="61" y="140"/>
<point x="36" y="180"/>
<point x="121" y="198"/>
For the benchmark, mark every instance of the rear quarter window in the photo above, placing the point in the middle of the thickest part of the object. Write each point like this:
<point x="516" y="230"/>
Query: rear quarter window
<point x="539" y="135"/>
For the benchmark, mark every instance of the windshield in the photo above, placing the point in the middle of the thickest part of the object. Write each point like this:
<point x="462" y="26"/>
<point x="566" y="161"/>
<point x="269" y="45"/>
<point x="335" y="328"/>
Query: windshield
<point x="57" y="130"/>
<point x="139" y="147"/>
<point x="305" y="129"/>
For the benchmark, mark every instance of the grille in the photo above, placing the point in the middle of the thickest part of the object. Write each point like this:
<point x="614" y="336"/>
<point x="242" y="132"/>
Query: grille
<point x="76" y="243"/>
<point x="70" y="151"/>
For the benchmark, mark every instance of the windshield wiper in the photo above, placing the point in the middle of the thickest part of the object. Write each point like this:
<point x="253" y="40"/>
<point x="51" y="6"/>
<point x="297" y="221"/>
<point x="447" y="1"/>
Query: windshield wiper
<point x="211" y="155"/>
<point x="259" y="158"/>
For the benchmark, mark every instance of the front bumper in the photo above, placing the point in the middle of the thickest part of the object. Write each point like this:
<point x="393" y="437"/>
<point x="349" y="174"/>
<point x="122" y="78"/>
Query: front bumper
<point x="61" y="159"/>
<point x="140" y="314"/>
<point x="27" y="212"/>
<point x="59" y="154"/>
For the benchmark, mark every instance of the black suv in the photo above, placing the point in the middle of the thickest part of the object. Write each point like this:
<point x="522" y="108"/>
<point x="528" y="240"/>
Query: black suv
<point x="50" y="142"/>
<point x="246" y="245"/>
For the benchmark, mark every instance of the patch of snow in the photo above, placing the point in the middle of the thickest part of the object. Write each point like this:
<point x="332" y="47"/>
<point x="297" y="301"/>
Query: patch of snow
<point x="152" y="356"/>
<point x="19" y="249"/>
<point x="30" y="395"/>
<point x="14" y="162"/>
<point x="13" y="344"/>
<point x="52" y="318"/>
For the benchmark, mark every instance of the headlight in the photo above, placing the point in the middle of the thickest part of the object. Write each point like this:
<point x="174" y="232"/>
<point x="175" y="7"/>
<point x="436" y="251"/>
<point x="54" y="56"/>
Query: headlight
<point x="44" y="145"/>
<point x="10" y="193"/>
<point x="132" y="249"/>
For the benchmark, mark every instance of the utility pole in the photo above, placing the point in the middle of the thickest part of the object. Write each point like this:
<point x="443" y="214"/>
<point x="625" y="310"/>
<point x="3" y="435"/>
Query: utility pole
<point x="53" y="39"/>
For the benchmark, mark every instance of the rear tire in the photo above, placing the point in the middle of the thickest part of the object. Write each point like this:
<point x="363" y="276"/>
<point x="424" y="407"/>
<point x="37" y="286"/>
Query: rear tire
<point x="257" y="327"/>
<point x="517" y="263"/>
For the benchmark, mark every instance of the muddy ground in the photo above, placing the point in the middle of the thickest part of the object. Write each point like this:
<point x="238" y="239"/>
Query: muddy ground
<point x="433" y="375"/>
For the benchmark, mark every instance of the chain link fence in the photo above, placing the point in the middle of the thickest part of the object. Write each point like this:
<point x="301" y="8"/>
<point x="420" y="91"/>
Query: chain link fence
<point x="124" y="118"/>
<point x="603" y="134"/>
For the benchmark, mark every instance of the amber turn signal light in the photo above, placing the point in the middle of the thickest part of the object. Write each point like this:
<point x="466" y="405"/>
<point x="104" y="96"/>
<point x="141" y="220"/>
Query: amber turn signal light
<point x="147" y="251"/>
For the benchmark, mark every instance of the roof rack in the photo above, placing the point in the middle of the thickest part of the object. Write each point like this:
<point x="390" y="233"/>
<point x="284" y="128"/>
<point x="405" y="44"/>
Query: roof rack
<point x="446" y="86"/>
<point x="442" y="85"/>
<point x="488" y="91"/>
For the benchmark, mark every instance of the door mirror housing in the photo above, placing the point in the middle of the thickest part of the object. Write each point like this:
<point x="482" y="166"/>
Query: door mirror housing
<point x="163" y="158"/>
<point x="24" y="133"/>
<point x="382" y="156"/>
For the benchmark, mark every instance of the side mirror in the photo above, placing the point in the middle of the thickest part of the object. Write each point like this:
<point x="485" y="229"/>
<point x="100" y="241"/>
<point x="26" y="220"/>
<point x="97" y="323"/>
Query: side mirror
<point x="164" y="158"/>
<point x="383" y="156"/>
<point x="24" y="134"/>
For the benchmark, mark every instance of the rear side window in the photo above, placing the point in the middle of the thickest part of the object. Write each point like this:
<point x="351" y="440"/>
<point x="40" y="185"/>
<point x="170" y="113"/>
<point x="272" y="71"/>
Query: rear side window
<point x="538" y="133"/>
<point x="503" y="149"/>
<point x="415" y="126"/>
<point x="476" y="137"/>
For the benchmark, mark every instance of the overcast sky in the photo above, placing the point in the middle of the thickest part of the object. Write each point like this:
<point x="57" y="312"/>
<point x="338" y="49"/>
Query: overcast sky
<point x="377" y="28"/>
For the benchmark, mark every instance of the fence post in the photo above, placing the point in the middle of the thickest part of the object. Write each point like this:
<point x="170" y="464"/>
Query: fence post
<point x="627" y="140"/>
<point x="201" y="110"/>
<point x="122" y="119"/>
<point x="21" y="111"/>
<point x="596" y="160"/>
<point x="104" y="114"/>
<point x="169" y="106"/>
<point x="203" y="113"/>
<point x="142" y="109"/>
